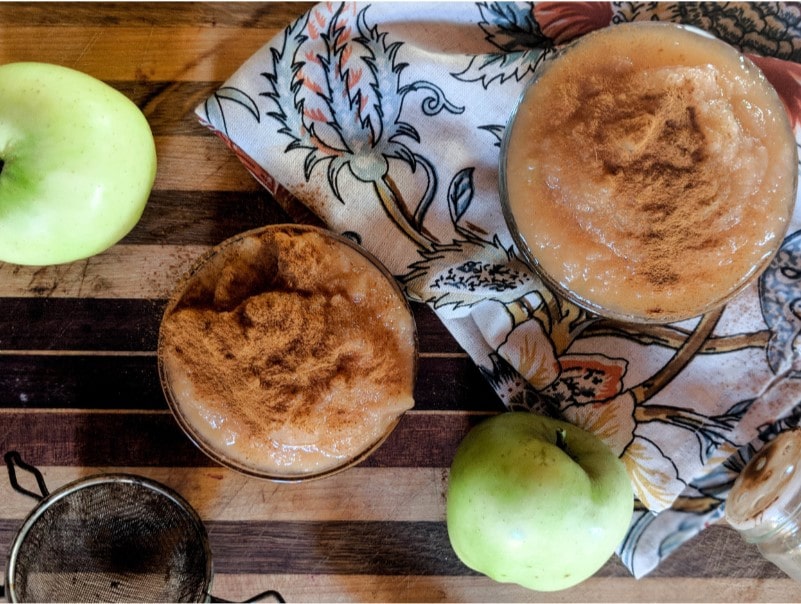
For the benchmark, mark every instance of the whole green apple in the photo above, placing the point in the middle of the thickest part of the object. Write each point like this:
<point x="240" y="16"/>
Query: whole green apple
<point x="536" y="501"/>
<point x="77" y="163"/>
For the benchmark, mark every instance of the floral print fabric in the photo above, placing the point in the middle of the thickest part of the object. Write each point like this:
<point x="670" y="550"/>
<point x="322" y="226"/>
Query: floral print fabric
<point x="386" y="119"/>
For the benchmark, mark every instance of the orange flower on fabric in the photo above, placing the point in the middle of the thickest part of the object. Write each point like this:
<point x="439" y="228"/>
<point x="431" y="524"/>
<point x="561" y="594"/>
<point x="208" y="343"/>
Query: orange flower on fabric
<point x="563" y="21"/>
<point x="785" y="76"/>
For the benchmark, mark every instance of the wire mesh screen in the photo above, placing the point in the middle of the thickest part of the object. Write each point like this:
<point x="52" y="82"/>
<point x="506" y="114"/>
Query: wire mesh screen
<point x="112" y="540"/>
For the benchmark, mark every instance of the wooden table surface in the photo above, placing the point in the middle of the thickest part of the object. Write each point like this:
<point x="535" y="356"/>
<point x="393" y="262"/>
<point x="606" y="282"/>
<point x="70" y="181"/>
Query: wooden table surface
<point x="80" y="395"/>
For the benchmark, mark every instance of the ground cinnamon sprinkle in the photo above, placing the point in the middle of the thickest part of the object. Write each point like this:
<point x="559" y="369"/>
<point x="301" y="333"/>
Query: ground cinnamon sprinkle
<point x="649" y="145"/>
<point x="290" y="352"/>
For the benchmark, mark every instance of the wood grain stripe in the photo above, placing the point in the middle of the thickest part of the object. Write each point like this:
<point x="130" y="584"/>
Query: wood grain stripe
<point x="206" y="53"/>
<point x="269" y="514"/>
<point x="416" y="548"/>
<point x="80" y="382"/>
<point x="131" y="325"/>
<point x="362" y="493"/>
<point x="203" y="218"/>
<point x="122" y="271"/>
<point x="420" y="549"/>
<point x="102" y="381"/>
<point x="243" y="15"/>
<point x="193" y="163"/>
<point x="40" y="324"/>
<point x="169" y="106"/>
<point x="370" y="547"/>
<point x="362" y="547"/>
<point x="368" y="588"/>
<point x="378" y="495"/>
<point x="422" y="439"/>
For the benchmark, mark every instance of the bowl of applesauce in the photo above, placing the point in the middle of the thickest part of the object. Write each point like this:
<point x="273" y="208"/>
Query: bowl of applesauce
<point x="288" y="353"/>
<point x="648" y="172"/>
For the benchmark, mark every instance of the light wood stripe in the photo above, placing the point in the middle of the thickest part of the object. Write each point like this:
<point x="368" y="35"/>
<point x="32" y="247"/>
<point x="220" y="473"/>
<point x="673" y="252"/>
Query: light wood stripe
<point x="200" y="163"/>
<point x="404" y="494"/>
<point x="368" y="588"/>
<point x="185" y="53"/>
<point x="122" y="271"/>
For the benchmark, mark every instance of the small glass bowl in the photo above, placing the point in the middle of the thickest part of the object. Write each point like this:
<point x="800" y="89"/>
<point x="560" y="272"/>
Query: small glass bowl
<point x="208" y="268"/>
<point x="592" y="305"/>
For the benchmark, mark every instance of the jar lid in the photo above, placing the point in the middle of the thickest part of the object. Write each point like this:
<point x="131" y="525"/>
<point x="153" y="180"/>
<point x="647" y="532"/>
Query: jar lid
<point x="768" y="490"/>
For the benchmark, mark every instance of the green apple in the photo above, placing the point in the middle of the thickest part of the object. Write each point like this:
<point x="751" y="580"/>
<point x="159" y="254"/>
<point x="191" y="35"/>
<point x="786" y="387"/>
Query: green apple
<point x="536" y="501"/>
<point x="77" y="163"/>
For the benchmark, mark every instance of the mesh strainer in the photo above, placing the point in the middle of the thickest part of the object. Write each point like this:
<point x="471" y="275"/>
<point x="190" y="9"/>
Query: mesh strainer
<point x="109" y="538"/>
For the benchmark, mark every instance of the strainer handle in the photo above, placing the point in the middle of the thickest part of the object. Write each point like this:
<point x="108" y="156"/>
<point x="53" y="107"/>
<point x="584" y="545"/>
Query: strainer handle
<point x="13" y="458"/>
<point x="270" y="593"/>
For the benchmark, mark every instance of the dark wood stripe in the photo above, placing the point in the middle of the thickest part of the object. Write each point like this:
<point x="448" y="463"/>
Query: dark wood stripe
<point x="79" y="382"/>
<point x="432" y="335"/>
<point x="169" y="105"/>
<point x="79" y="324"/>
<point x="418" y="548"/>
<point x="131" y="382"/>
<point x="203" y="218"/>
<point x="423" y="548"/>
<point x="453" y="384"/>
<point x="366" y="548"/>
<point x="174" y="14"/>
<point x="107" y="324"/>
<point x="154" y="439"/>
<point x="388" y="548"/>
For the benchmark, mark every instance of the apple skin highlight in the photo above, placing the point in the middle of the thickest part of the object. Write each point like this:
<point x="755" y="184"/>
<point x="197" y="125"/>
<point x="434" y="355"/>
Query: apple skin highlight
<point x="77" y="164"/>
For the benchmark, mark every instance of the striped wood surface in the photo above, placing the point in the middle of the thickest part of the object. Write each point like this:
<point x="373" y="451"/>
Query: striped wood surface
<point x="79" y="391"/>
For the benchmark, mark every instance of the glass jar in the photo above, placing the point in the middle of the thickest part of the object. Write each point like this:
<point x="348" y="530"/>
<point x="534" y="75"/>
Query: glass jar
<point x="764" y="505"/>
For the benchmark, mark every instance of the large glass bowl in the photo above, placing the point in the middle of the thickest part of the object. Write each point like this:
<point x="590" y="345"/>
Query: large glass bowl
<point x="532" y="255"/>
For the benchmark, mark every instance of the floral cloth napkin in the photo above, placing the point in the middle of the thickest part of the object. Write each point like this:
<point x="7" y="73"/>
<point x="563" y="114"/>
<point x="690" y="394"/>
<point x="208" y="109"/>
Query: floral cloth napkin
<point x="386" y="119"/>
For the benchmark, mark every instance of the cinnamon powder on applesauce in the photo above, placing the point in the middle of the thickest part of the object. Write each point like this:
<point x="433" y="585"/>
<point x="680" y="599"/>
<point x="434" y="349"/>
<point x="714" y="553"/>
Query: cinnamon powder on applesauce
<point x="649" y="149"/>
<point x="294" y="351"/>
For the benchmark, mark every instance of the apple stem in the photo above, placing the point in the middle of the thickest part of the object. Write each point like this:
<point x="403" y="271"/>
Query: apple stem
<point x="561" y="439"/>
<point x="561" y="442"/>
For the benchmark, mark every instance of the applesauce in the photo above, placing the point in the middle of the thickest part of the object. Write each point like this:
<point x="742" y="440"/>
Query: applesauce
<point x="289" y="353"/>
<point x="649" y="172"/>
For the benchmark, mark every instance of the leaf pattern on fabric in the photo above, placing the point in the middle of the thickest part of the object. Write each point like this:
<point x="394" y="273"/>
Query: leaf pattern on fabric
<point x="512" y="28"/>
<point x="512" y="388"/>
<point x="654" y="477"/>
<point x="465" y="272"/>
<point x="337" y="87"/>
<point x="780" y="300"/>
<point x="520" y="339"/>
